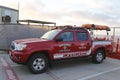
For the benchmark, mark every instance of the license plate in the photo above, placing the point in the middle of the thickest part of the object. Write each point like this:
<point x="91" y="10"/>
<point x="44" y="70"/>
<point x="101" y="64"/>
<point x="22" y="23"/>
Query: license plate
<point x="10" y="54"/>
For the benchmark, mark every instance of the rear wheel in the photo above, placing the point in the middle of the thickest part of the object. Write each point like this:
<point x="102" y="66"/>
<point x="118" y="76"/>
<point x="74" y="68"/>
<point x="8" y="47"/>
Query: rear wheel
<point x="38" y="63"/>
<point x="98" y="56"/>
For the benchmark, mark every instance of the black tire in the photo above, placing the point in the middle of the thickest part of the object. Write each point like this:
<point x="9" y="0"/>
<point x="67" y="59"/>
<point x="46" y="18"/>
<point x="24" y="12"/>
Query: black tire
<point x="98" y="56"/>
<point x="38" y="63"/>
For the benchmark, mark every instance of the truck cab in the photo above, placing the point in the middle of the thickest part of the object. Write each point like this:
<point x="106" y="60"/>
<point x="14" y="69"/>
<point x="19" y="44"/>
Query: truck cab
<point x="71" y="43"/>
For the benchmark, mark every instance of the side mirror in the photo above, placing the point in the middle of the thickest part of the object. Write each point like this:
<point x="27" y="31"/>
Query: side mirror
<point x="59" y="39"/>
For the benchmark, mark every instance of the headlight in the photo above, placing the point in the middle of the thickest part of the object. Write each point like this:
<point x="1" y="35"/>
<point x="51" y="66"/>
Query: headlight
<point x="20" y="46"/>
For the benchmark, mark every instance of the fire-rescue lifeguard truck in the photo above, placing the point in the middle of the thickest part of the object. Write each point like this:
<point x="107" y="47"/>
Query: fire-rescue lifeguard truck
<point x="62" y="43"/>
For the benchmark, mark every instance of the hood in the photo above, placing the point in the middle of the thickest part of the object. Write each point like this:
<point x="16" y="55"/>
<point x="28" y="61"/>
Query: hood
<point x="30" y="40"/>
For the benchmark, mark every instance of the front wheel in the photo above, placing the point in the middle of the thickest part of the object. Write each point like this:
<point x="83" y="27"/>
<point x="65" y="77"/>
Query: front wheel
<point x="38" y="63"/>
<point x="98" y="56"/>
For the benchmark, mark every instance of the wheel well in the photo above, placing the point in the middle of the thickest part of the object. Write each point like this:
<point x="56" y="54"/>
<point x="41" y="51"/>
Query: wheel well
<point x="40" y="52"/>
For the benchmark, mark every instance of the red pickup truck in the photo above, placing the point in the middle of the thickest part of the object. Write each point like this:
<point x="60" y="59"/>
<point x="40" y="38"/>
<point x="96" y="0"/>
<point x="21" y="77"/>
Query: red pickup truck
<point x="60" y="44"/>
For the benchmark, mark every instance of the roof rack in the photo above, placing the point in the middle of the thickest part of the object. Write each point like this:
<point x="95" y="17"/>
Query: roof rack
<point x="69" y="27"/>
<point x="63" y="27"/>
<point x="75" y="28"/>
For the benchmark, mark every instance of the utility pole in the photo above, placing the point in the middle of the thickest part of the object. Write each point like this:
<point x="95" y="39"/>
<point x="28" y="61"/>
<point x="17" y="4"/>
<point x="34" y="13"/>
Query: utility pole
<point x="18" y="12"/>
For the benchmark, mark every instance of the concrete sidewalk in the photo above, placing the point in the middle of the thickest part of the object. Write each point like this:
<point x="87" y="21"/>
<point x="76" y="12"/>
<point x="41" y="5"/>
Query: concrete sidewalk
<point x="72" y="70"/>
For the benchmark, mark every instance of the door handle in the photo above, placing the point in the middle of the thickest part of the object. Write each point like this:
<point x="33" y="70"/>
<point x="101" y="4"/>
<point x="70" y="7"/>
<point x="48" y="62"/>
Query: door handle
<point x="88" y="43"/>
<point x="73" y="44"/>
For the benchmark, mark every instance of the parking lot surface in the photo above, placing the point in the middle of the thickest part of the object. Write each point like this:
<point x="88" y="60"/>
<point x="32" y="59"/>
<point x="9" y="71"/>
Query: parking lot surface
<point x="72" y="70"/>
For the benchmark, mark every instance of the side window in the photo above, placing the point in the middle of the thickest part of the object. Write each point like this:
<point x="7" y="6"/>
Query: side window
<point x="66" y="36"/>
<point x="81" y="36"/>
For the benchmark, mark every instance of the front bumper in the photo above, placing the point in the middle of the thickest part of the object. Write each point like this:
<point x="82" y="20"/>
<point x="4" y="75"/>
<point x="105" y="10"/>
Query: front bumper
<point x="18" y="56"/>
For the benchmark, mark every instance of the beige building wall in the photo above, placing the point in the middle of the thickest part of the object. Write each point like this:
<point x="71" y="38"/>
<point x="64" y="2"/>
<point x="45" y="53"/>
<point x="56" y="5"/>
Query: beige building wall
<point x="11" y="12"/>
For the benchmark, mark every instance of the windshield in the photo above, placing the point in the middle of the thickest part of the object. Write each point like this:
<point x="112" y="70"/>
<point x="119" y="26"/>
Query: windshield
<point x="50" y="34"/>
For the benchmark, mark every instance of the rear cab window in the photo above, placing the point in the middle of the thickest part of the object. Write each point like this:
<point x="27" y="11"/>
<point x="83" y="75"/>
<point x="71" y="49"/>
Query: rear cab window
<point x="81" y="36"/>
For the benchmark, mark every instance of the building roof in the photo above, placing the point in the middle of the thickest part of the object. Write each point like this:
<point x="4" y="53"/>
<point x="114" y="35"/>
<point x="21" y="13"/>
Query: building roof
<point x="8" y="8"/>
<point x="36" y="21"/>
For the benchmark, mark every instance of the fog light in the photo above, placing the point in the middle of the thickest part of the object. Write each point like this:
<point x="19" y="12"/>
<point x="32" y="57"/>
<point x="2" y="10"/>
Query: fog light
<point x="18" y="58"/>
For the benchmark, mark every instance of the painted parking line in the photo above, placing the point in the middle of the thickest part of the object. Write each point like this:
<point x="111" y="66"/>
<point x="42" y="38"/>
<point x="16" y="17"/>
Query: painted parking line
<point x="98" y="74"/>
<point x="54" y="77"/>
<point x="10" y="74"/>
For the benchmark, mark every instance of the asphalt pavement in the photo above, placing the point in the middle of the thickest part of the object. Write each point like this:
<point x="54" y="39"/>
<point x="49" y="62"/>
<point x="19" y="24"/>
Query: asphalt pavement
<point x="73" y="70"/>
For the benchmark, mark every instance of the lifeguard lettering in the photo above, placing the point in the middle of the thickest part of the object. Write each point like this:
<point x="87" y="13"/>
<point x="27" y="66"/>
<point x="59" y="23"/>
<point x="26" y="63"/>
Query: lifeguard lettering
<point x="69" y="55"/>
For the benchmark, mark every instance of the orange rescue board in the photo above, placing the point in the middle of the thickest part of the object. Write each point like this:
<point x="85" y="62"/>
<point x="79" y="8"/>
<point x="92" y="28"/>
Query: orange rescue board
<point x="96" y="27"/>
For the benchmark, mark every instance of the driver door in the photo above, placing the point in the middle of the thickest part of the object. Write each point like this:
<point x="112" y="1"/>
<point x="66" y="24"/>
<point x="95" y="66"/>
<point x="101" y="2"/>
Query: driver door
<point x="63" y="48"/>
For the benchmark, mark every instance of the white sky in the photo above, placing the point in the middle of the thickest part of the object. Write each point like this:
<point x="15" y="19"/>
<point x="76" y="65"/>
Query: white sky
<point x="69" y="12"/>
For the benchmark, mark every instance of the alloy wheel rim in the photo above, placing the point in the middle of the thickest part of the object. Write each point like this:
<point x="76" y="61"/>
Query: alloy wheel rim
<point x="38" y="64"/>
<point x="99" y="57"/>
